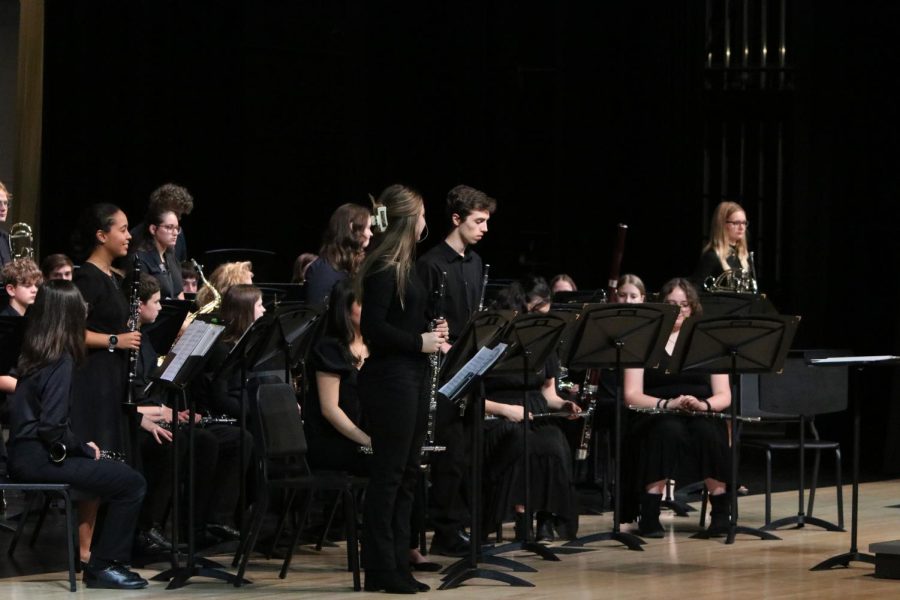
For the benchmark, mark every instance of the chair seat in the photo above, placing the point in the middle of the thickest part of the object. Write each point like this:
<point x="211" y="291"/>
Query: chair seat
<point x="783" y="444"/>
<point x="8" y="484"/>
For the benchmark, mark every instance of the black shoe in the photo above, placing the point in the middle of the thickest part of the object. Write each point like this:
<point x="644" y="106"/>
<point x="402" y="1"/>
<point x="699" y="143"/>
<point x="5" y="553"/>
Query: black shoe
<point x="391" y="582"/>
<point x="145" y="545"/>
<point x="455" y="546"/>
<point x="113" y="577"/>
<point x="521" y="534"/>
<point x="545" y="528"/>
<point x="649" y="525"/>
<point x="223" y="532"/>
<point x="427" y="567"/>
<point x="420" y="587"/>
<point x="719" y="515"/>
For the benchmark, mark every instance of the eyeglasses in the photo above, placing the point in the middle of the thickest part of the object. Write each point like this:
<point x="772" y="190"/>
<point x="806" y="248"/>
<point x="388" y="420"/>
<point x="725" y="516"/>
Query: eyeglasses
<point x="738" y="223"/>
<point x="171" y="228"/>
<point x="684" y="304"/>
<point x="5" y="203"/>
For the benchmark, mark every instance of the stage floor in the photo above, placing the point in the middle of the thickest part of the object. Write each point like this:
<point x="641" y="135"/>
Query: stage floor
<point x="674" y="567"/>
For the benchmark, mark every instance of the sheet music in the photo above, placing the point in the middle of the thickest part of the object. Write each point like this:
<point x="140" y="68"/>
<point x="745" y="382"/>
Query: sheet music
<point x="477" y="365"/>
<point x="196" y="341"/>
<point x="854" y="359"/>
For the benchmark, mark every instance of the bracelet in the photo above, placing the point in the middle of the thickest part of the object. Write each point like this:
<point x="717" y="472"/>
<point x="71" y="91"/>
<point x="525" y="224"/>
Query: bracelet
<point x="659" y="403"/>
<point x="666" y="403"/>
<point x="708" y="405"/>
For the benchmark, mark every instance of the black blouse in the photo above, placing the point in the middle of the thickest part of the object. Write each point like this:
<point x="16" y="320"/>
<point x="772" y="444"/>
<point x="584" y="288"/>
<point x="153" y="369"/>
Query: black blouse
<point x="659" y="384"/>
<point x="328" y="357"/>
<point x="39" y="409"/>
<point x="107" y="306"/>
<point x="389" y="328"/>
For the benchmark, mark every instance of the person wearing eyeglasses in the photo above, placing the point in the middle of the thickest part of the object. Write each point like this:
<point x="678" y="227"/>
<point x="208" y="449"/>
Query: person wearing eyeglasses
<point x="5" y="197"/>
<point x="727" y="246"/>
<point x="156" y="251"/>
<point x="670" y="445"/>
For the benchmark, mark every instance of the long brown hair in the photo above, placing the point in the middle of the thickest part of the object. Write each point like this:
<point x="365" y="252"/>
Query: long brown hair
<point x="342" y="241"/>
<point x="396" y="249"/>
<point x="55" y="327"/>
<point x="237" y="310"/>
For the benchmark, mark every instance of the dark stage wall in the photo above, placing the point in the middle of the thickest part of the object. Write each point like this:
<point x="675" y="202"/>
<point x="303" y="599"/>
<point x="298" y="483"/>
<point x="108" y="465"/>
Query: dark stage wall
<point x="575" y="115"/>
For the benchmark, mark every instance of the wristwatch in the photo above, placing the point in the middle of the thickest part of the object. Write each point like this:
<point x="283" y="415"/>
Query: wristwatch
<point x="113" y="340"/>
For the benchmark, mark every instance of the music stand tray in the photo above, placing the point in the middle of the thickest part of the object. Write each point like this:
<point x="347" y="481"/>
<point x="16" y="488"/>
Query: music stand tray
<point x="618" y="336"/>
<point x="734" y="345"/>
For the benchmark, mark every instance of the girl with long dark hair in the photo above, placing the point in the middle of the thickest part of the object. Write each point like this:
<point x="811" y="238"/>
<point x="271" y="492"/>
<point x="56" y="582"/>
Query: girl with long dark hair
<point x="392" y="386"/>
<point x="45" y="448"/>
<point x="343" y="248"/>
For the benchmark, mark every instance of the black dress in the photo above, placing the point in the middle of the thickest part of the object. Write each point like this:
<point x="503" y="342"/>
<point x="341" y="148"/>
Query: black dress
<point x="679" y="447"/>
<point x="391" y="393"/>
<point x="549" y="453"/>
<point x="99" y="386"/>
<point x="328" y="448"/>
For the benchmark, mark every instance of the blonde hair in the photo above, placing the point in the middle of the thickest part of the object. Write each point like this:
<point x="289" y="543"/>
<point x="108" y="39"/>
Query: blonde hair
<point x="396" y="248"/>
<point x="631" y="278"/>
<point x="223" y="277"/>
<point x="718" y="236"/>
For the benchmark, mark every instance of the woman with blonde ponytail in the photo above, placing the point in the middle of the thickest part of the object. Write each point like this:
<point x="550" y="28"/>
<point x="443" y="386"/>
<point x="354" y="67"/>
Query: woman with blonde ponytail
<point x="727" y="246"/>
<point x="392" y="385"/>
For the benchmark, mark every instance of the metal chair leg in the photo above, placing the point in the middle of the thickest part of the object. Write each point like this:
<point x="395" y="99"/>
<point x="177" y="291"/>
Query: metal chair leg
<point x="839" y="487"/>
<point x="768" y="487"/>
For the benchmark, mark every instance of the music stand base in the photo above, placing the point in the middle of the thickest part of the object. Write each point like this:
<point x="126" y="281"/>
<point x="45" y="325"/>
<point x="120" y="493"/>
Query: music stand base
<point x="681" y="509"/>
<point x="179" y="577"/>
<point x="537" y="549"/>
<point x="844" y="560"/>
<point x="631" y="541"/>
<point x="476" y="573"/>
<point x="801" y="521"/>
<point x="498" y="561"/>
<point x="733" y="531"/>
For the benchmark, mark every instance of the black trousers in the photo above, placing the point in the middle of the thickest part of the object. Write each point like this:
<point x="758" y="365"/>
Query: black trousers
<point x="118" y="485"/>
<point x="392" y="399"/>
<point x="217" y="472"/>
<point x="448" y="470"/>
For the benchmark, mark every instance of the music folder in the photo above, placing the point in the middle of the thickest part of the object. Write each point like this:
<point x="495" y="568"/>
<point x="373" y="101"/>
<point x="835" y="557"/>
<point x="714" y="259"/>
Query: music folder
<point x="477" y="366"/>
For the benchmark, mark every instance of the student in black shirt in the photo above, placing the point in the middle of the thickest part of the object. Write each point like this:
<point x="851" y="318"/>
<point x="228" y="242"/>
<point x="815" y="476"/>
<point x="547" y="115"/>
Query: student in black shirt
<point x="469" y="211"/>
<point x="22" y="277"/>
<point x="392" y="387"/>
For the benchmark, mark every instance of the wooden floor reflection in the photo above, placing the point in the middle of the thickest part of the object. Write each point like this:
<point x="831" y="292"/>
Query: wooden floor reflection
<point x="674" y="567"/>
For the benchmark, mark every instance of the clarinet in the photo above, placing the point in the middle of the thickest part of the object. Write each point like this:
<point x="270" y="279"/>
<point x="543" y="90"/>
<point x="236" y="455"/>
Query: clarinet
<point x="589" y="401"/>
<point x="435" y="366"/>
<point x="134" y="318"/>
<point x="484" y="282"/>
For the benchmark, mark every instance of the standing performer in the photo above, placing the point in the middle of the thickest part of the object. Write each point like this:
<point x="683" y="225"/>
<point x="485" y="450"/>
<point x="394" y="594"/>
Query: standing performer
<point x="392" y="386"/>
<point x="45" y="448"/>
<point x="156" y="251"/>
<point x="469" y="211"/>
<point x="99" y="387"/>
<point x="727" y="246"/>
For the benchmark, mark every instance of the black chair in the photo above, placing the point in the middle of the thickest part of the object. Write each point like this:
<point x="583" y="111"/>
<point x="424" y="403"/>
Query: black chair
<point x="281" y="449"/>
<point x="33" y="491"/>
<point x="796" y="396"/>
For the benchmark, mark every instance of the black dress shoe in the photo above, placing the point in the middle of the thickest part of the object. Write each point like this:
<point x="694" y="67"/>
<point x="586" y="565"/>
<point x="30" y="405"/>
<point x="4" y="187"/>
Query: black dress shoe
<point x="150" y="542"/>
<point x="545" y="528"/>
<point x="223" y="532"/>
<point x="420" y="587"/>
<point x="522" y="534"/>
<point x="428" y="567"/>
<point x="113" y="577"/>
<point x="391" y="582"/>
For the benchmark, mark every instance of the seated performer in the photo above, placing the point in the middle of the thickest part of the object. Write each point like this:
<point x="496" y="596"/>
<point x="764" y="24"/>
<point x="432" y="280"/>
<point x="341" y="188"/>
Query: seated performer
<point x="22" y="279"/>
<point x="223" y="277"/>
<point x="189" y="277"/>
<point x="630" y="290"/>
<point x="552" y="495"/>
<point x="563" y="283"/>
<point x="727" y="246"/>
<point x="43" y="447"/>
<point x="344" y="246"/>
<point x="57" y="266"/>
<point x="659" y="446"/>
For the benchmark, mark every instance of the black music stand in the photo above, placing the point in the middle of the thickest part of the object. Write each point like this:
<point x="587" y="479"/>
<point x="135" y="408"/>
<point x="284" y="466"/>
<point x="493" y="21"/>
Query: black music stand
<point x="858" y="363"/>
<point x="619" y="336"/>
<point x="483" y="330"/>
<point x="532" y="338"/>
<point x="803" y="396"/>
<point x="720" y="304"/>
<point x="181" y="366"/>
<point x="734" y="345"/>
<point x="164" y="330"/>
<point x="282" y="292"/>
<point x="287" y="338"/>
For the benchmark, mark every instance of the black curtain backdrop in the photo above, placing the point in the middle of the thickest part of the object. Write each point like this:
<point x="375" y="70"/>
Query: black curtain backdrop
<point x="575" y="115"/>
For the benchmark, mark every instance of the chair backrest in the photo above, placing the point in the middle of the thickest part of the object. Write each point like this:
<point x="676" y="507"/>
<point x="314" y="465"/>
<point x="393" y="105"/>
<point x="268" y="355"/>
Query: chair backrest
<point x="801" y="389"/>
<point x="283" y="440"/>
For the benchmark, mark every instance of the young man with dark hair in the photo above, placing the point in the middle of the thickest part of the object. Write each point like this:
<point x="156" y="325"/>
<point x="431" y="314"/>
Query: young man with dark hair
<point x="469" y="211"/>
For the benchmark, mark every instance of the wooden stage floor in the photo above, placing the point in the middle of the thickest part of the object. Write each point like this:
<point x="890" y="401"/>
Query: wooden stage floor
<point x="674" y="567"/>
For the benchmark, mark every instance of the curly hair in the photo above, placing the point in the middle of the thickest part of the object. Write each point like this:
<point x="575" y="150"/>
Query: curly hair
<point x="174" y="197"/>
<point x="22" y="271"/>
<point x="342" y="242"/>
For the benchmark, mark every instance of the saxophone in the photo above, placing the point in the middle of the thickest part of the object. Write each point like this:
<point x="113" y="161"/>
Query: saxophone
<point x="589" y="401"/>
<point x="435" y="373"/>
